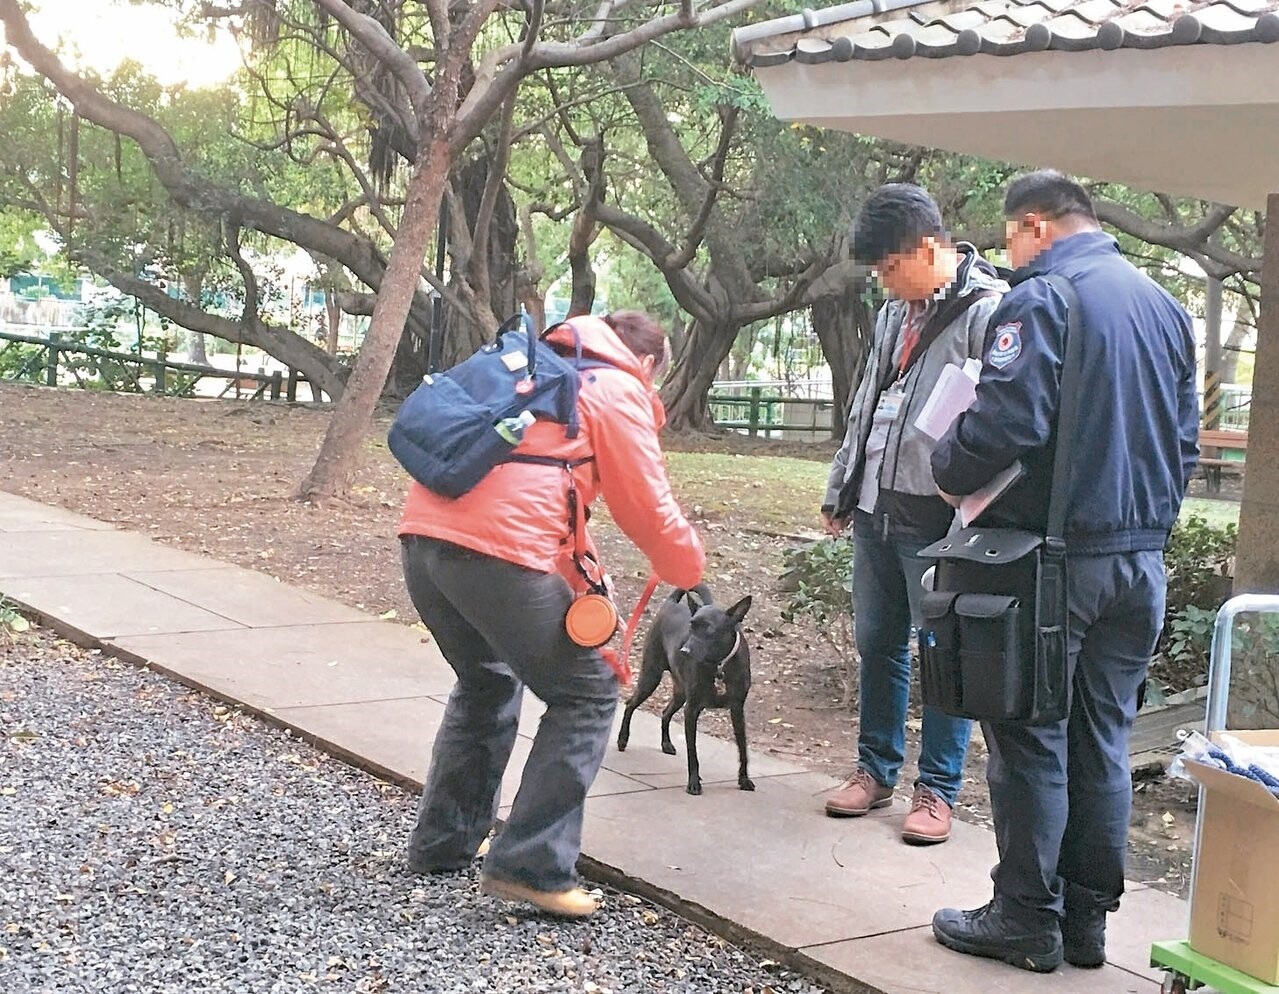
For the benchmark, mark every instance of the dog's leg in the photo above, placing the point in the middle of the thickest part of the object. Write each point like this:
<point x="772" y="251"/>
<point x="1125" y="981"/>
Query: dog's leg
<point x="677" y="702"/>
<point x="649" y="679"/>
<point x="738" y="715"/>
<point x="691" y="714"/>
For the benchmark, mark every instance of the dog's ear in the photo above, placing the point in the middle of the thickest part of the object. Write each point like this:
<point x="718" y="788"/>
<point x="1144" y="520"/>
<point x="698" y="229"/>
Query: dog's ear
<point x="738" y="611"/>
<point x="694" y="601"/>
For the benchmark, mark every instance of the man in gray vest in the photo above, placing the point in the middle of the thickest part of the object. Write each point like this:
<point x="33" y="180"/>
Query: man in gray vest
<point x="880" y="482"/>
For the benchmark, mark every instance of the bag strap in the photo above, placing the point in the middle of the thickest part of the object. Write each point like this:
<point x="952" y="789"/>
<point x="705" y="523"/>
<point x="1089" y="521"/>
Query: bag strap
<point x="576" y="516"/>
<point x="1068" y="412"/>
<point x="944" y="315"/>
<point x="524" y="322"/>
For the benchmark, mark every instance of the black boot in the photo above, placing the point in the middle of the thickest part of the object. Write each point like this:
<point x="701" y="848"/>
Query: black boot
<point x="1083" y="929"/>
<point x="995" y="934"/>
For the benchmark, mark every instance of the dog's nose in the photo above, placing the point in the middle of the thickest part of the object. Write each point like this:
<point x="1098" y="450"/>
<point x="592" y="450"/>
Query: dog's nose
<point x="685" y="650"/>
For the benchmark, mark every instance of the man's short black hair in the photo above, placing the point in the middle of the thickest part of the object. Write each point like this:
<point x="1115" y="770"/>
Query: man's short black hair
<point x="895" y="218"/>
<point x="1048" y="193"/>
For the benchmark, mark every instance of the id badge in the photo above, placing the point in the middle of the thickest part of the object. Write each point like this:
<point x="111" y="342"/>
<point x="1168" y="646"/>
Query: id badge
<point x="890" y="405"/>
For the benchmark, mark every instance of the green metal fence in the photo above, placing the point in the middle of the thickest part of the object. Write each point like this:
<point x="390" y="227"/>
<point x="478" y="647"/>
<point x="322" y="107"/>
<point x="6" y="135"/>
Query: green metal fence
<point x="59" y="361"/>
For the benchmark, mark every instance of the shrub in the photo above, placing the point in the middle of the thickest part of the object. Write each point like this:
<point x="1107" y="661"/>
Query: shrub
<point x="819" y="585"/>
<point x="1199" y="563"/>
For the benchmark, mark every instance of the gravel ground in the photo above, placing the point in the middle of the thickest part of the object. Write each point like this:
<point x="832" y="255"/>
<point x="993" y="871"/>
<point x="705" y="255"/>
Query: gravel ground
<point x="152" y="840"/>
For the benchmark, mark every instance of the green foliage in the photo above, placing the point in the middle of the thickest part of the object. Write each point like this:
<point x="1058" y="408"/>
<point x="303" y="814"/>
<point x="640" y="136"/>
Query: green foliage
<point x="1197" y="561"/>
<point x="21" y="362"/>
<point x="1189" y="637"/>
<point x="1255" y="670"/>
<point x="820" y="581"/>
<point x="11" y="619"/>
<point x="823" y="575"/>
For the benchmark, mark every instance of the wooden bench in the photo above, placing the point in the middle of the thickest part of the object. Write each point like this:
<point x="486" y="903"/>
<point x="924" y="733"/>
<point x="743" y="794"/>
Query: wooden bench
<point x="1218" y="443"/>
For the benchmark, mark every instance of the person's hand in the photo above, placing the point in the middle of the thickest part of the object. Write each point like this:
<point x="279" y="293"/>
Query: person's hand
<point x="950" y="499"/>
<point x="833" y="525"/>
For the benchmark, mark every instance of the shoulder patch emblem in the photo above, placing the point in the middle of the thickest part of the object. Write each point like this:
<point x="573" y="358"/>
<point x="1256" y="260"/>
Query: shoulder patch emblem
<point x="1007" y="345"/>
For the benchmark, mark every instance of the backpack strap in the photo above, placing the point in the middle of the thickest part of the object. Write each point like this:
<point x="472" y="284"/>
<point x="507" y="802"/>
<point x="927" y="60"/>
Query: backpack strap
<point x="577" y="515"/>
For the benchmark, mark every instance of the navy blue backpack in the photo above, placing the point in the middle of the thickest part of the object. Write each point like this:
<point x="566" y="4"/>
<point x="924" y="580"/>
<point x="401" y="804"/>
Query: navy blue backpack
<point x="448" y="434"/>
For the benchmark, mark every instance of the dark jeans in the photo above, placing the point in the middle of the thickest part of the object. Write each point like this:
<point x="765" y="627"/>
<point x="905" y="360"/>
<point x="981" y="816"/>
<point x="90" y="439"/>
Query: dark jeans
<point x="1061" y="794"/>
<point x="886" y="596"/>
<point x="501" y="628"/>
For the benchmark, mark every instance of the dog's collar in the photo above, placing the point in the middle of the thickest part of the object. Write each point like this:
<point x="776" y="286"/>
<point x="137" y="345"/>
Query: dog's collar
<point x="737" y="644"/>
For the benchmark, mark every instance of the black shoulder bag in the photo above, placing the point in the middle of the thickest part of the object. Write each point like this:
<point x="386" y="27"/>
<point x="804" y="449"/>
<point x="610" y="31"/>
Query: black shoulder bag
<point x="994" y="637"/>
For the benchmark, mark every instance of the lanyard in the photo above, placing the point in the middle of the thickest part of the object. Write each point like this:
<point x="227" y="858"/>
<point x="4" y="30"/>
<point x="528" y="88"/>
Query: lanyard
<point x="912" y="328"/>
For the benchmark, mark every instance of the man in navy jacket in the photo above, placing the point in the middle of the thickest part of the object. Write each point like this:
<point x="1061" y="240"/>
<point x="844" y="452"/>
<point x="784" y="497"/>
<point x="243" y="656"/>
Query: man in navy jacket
<point x="1061" y="794"/>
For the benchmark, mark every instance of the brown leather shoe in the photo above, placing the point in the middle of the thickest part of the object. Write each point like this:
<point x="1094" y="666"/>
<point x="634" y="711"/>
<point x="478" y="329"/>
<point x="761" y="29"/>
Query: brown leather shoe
<point x="929" y="820"/>
<point x="574" y="903"/>
<point x="858" y="796"/>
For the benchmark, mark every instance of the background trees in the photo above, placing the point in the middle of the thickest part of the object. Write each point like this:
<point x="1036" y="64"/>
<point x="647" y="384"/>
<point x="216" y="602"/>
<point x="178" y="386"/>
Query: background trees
<point x="441" y="164"/>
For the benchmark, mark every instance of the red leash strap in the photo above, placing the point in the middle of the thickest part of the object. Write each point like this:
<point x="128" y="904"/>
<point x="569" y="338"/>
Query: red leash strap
<point x="622" y="666"/>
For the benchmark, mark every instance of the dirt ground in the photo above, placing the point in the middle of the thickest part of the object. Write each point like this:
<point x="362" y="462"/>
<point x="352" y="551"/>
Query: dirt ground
<point x="217" y="477"/>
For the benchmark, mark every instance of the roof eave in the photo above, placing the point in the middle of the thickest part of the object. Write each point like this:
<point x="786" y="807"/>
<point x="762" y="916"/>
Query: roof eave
<point x="809" y="19"/>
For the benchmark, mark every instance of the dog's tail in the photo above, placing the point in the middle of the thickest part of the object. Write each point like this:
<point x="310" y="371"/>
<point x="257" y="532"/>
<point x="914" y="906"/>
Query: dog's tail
<point x="699" y="595"/>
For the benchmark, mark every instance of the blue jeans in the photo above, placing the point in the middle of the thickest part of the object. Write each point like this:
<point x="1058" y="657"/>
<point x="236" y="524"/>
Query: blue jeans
<point x="886" y="596"/>
<point x="1061" y="794"/>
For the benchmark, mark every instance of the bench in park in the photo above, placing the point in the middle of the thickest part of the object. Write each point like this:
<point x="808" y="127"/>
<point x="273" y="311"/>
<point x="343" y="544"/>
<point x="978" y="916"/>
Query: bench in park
<point x="1215" y="446"/>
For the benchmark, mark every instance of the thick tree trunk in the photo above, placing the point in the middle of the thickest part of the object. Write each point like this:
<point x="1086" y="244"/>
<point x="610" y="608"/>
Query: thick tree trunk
<point x="339" y="452"/>
<point x="843" y="325"/>
<point x="196" y="348"/>
<point x="684" y="392"/>
<point x="193" y="284"/>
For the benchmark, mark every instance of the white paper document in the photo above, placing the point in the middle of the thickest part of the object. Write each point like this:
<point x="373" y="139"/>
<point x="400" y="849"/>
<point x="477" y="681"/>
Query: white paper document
<point x="971" y="507"/>
<point x="954" y="393"/>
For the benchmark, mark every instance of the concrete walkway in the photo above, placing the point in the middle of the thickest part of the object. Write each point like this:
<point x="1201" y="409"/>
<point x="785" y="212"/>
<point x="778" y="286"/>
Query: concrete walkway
<point x="845" y="901"/>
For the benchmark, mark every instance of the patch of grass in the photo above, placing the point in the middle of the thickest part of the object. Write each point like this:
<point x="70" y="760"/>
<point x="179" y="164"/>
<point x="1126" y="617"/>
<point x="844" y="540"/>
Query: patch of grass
<point x="781" y="493"/>
<point x="1218" y="513"/>
<point x="771" y="492"/>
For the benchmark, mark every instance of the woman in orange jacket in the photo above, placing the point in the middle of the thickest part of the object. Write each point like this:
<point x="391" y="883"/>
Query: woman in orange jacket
<point x="492" y="574"/>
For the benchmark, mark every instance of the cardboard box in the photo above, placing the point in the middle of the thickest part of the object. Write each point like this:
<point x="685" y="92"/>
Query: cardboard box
<point x="1234" y="913"/>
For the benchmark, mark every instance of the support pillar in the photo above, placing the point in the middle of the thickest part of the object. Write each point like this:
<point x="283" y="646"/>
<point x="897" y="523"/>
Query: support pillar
<point x="1212" y="355"/>
<point x="1254" y="699"/>
<point x="1257" y="565"/>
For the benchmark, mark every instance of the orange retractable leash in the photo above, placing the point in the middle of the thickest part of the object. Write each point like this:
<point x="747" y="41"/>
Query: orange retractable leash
<point x="592" y="620"/>
<point x="622" y="667"/>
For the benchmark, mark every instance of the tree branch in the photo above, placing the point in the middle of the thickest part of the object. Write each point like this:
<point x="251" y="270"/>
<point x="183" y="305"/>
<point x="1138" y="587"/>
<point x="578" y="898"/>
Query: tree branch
<point x="1194" y="242"/>
<point x="374" y="37"/>
<point x="643" y="236"/>
<point x="184" y="186"/>
<point x="586" y="50"/>
<point x="698" y="231"/>
<point x="488" y="200"/>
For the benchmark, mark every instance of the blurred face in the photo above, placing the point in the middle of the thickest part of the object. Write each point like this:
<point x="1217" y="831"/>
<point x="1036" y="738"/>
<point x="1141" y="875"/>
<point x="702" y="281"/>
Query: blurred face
<point x="920" y="272"/>
<point x="1026" y="236"/>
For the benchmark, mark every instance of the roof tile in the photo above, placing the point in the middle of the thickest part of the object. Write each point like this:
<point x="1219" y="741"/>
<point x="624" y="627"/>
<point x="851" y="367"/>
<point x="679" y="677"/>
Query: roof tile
<point x="945" y="28"/>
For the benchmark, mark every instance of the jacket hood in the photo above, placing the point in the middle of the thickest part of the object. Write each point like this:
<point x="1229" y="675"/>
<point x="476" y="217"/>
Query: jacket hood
<point x="598" y="340"/>
<point x="975" y="273"/>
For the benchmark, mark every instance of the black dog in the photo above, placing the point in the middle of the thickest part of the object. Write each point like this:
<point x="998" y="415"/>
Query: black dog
<point x="708" y="659"/>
